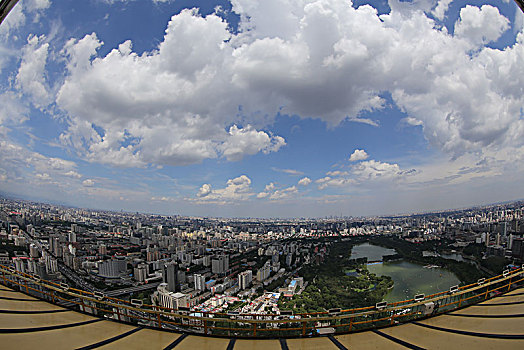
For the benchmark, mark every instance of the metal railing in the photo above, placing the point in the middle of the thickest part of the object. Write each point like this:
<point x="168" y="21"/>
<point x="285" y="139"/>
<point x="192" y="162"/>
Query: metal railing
<point x="230" y="324"/>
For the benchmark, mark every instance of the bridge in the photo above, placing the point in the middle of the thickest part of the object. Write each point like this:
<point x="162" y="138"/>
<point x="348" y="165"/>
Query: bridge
<point x="486" y="315"/>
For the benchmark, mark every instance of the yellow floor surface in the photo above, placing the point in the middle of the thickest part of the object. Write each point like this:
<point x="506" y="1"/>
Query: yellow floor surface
<point x="367" y="341"/>
<point x="433" y="339"/>
<point x="144" y="339"/>
<point x="89" y="334"/>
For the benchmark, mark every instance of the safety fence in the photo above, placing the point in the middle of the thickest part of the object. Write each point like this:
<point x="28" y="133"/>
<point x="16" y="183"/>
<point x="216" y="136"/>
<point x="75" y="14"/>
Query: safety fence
<point x="283" y="324"/>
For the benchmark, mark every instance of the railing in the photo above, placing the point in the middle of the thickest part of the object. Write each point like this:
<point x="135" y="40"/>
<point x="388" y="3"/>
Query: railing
<point x="262" y="325"/>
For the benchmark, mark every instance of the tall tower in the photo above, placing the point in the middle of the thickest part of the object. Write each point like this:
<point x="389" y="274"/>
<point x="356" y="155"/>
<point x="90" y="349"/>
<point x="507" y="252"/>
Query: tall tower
<point x="170" y="276"/>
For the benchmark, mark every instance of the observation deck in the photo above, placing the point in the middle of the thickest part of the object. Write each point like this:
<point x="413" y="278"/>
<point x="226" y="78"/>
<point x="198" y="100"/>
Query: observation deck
<point x="27" y="321"/>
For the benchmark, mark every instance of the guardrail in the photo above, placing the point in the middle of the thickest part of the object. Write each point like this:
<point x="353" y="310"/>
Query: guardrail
<point x="285" y="324"/>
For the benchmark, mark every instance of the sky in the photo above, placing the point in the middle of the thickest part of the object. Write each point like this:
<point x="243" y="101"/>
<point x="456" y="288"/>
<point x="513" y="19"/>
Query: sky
<point x="274" y="108"/>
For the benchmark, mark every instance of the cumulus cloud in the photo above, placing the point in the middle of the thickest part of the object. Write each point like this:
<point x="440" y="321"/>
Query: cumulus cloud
<point x="88" y="183"/>
<point x="269" y="187"/>
<point x="74" y="174"/>
<point x="237" y="189"/>
<point x="43" y="176"/>
<point x="440" y="10"/>
<point x="284" y="193"/>
<point x="204" y="190"/>
<point x="179" y="129"/>
<point x="248" y="141"/>
<point x="304" y="181"/>
<point x="358" y="154"/>
<point x="262" y="194"/>
<point x="272" y="192"/>
<point x="363" y="173"/>
<point x="31" y="74"/>
<point x="208" y="93"/>
<point x="480" y="25"/>
<point x="372" y="170"/>
<point x="329" y="181"/>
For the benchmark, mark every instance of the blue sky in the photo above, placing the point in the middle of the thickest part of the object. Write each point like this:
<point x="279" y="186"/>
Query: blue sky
<point x="279" y="108"/>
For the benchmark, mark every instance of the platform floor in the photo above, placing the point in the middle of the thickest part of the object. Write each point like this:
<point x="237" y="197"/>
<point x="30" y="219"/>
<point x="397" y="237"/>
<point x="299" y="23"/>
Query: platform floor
<point x="28" y="323"/>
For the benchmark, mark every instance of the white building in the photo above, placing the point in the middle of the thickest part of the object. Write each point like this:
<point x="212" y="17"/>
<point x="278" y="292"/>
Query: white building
<point x="244" y="279"/>
<point x="169" y="299"/>
<point x="263" y="272"/>
<point x="112" y="268"/>
<point x="200" y="282"/>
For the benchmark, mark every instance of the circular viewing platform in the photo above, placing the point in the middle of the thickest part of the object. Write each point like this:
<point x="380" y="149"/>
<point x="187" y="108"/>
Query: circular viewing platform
<point x="28" y="320"/>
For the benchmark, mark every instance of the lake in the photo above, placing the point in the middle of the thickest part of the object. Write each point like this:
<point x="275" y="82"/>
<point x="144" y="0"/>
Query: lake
<point x="409" y="278"/>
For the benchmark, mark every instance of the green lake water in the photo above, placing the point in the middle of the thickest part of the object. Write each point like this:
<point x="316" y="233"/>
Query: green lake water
<point x="409" y="278"/>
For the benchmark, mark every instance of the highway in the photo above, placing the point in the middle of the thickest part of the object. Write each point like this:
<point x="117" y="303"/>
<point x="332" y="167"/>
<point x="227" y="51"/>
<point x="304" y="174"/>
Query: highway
<point x="129" y="290"/>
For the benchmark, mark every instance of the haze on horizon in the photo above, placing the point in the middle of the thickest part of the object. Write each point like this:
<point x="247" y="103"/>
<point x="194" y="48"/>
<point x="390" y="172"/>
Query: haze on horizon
<point x="280" y="108"/>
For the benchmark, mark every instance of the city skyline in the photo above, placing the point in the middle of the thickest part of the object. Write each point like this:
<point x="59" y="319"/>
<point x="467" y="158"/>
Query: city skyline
<point x="327" y="110"/>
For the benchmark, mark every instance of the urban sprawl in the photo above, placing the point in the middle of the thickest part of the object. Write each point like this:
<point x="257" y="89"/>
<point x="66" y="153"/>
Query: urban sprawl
<point x="222" y="265"/>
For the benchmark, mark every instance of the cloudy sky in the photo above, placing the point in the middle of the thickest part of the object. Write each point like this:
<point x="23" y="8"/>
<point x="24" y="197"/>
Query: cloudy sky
<point x="274" y="108"/>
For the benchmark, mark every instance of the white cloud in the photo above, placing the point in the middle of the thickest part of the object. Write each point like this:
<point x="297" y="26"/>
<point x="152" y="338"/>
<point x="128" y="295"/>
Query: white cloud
<point x="262" y="194"/>
<point x="373" y="170"/>
<point x="269" y="187"/>
<point x="237" y="189"/>
<point x="74" y="174"/>
<point x="20" y="165"/>
<point x="358" y="154"/>
<point x="288" y="171"/>
<point x="161" y="199"/>
<point x="43" y="176"/>
<point x="316" y="59"/>
<point x="19" y="13"/>
<point x="88" y="183"/>
<point x="480" y="25"/>
<point x="248" y="141"/>
<point x="204" y="190"/>
<point x="328" y="181"/>
<point x="13" y="111"/>
<point x="178" y="78"/>
<point x="337" y="173"/>
<point x="284" y="193"/>
<point x="442" y="7"/>
<point x="35" y="5"/>
<point x="411" y="121"/>
<point x="31" y="74"/>
<point x="304" y="181"/>
<point x="364" y="121"/>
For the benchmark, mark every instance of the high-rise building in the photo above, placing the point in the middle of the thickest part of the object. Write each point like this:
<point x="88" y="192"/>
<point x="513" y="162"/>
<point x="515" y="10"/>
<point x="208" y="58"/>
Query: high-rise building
<point x="54" y="245"/>
<point x="263" y="272"/>
<point x="170" y="276"/>
<point x="72" y="237"/>
<point x="220" y="264"/>
<point x="102" y="249"/>
<point x="200" y="282"/>
<point x="33" y="251"/>
<point x="140" y="272"/>
<point x="517" y="249"/>
<point x="244" y="279"/>
<point x="112" y="268"/>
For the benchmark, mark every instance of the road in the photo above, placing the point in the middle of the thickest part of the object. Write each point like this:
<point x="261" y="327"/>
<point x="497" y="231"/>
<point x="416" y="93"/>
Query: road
<point x="129" y="290"/>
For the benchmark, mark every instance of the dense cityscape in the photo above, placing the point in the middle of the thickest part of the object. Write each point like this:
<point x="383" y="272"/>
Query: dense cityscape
<point x="248" y="265"/>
